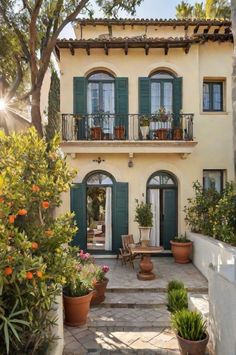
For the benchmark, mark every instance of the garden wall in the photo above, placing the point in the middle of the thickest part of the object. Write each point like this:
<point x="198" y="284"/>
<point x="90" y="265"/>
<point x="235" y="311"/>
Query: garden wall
<point x="57" y="312"/>
<point x="222" y="309"/>
<point x="207" y="250"/>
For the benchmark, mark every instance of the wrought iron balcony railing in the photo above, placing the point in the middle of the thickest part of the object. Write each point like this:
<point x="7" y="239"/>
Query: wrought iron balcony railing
<point x="106" y="126"/>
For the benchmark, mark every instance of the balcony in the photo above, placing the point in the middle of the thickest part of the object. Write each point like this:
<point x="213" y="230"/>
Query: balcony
<point x="132" y="133"/>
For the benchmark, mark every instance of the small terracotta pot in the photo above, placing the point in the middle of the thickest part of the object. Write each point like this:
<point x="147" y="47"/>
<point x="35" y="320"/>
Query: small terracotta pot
<point x="190" y="347"/>
<point x="177" y="134"/>
<point x="181" y="251"/>
<point x="96" y="133"/>
<point x="161" y="134"/>
<point x="119" y="132"/>
<point x="99" y="291"/>
<point x="76" y="309"/>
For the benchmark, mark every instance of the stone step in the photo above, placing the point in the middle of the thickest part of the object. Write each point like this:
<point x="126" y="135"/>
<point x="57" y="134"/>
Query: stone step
<point x="200" y="303"/>
<point x="128" y="318"/>
<point x="201" y="290"/>
<point x="134" y="300"/>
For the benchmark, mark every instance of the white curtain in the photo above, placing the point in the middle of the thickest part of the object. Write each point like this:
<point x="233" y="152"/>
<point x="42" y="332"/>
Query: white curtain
<point x="108" y="219"/>
<point x="154" y="198"/>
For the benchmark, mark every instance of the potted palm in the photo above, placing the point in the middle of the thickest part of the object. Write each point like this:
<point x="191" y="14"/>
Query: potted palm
<point x="144" y="126"/>
<point x="77" y="295"/>
<point x="144" y="217"/>
<point x="100" y="284"/>
<point x="190" y="331"/>
<point x="181" y="248"/>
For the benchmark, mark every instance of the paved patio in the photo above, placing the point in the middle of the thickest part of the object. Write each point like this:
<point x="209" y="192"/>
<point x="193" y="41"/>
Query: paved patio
<point x="134" y="318"/>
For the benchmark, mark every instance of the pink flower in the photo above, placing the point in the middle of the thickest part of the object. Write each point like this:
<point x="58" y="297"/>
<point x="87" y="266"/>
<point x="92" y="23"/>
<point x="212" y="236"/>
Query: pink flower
<point x="85" y="256"/>
<point x="105" y="268"/>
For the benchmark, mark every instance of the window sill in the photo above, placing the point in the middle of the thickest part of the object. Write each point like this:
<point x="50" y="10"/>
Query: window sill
<point x="214" y="113"/>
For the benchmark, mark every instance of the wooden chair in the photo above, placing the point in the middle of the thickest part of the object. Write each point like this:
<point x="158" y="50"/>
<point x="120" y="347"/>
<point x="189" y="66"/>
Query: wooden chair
<point x="125" y="253"/>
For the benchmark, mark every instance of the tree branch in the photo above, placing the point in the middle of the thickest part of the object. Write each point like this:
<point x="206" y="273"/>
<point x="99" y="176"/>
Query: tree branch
<point x="27" y="6"/>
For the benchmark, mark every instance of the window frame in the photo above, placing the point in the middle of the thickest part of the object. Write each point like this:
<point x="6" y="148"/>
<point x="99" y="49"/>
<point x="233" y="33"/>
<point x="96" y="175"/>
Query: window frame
<point x="222" y="178"/>
<point x="211" y="83"/>
<point x="162" y="83"/>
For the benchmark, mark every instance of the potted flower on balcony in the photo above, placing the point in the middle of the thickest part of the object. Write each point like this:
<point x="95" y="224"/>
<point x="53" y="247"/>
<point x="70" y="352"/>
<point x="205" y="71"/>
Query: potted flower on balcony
<point x="144" y="217"/>
<point x="191" y="333"/>
<point x="144" y="126"/>
<point x="181" y="248"/>
<point x="101" y="284"/>
<point x="77" y="294"/>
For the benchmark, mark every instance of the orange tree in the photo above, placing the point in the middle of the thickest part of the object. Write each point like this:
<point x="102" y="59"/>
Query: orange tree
<point x="34" y="258"/>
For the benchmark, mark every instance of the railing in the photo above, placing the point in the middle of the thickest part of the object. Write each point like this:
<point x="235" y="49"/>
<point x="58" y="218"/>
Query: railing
<point x="106" y="126"/>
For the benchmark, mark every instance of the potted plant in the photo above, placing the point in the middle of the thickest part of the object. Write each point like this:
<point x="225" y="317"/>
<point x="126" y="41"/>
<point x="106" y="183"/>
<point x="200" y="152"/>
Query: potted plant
<point x="190" y="331"/>
<point x="162" y="115"/>
<point x="144" y="126"/>
<point x="181" y="248"/>
<point x="100" y="285"/>
<point x="119" y="132"/>
<point x="144" y="217"/>
<point x="77" y="294"/>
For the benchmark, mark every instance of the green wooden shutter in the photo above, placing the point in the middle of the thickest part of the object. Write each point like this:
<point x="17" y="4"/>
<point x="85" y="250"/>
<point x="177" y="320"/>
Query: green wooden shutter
<point x="80" y="102"/>
<point x="122" y="103"/>
<point x="119" y="213"/>
<point x="144" y="96"/>
<point x="177" y="99"/>
<point x="79" y="207"/>
<point x="169" y="226"/>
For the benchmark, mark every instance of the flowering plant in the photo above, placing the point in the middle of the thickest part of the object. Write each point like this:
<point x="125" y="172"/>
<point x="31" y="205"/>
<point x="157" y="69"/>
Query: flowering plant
<point x="81" y="281"/>
<point x="85" y="258"/>
<point x="101" y="272"/>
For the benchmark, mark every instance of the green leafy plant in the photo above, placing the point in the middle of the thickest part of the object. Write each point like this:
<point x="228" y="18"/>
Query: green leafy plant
<point x="144" y="121"/>
<point x="175" y="285"/>
<point x="177" y="300"/>
<point x="143" y="214"/>
<point x="189" y="325"/>
<point x="181" y="239"/>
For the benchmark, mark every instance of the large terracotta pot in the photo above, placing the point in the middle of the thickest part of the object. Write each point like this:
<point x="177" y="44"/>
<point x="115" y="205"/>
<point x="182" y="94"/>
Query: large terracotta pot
<point x="189" y="347"/>
<point x="162" y="134"/>
<point x="76" y="309"/>
<point x="96" y="133"/>
<point x="181" y="251"/>
<point x="177" y="134"/>
<point x="99" y="291"/>
<point x="119" y="132"/>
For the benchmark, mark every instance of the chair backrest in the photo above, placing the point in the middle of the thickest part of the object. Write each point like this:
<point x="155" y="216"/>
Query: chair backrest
<point x="126" y="240"/>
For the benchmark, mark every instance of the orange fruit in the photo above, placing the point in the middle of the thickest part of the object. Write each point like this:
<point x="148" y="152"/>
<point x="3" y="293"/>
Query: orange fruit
<point x="45" y="204"/>
<point x="22" y="212"/>
<point x="34" y="245"/>
<point x="39" y="274"/>
<point x="35" y="188"/>
<point x="8" y="271"/>
<point x="1" y="199"/>
<point x="29" y="275"/>
<point x="10" y="258"/>
<point x="49" y="233"/>
<point x="12" y="218"/>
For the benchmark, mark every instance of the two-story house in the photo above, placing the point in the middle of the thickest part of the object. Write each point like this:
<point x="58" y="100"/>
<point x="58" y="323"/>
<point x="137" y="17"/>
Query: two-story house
<point x="146" y="111"/>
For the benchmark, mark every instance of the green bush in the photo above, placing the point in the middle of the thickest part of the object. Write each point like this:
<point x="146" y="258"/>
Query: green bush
<point x="189" y="325"/>
<point x="212" y="213"/>
<point x="177" y="300"/>
<point x="175" y="285"/>
<point x="143" y="214"/>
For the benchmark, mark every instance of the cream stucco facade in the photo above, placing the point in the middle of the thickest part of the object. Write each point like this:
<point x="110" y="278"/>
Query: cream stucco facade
<point x="212" y="145"/>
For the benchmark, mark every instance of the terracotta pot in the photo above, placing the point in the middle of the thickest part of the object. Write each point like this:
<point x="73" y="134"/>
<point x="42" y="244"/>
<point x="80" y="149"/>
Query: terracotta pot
<point x="177" y="134"/>
<point x="96" y="133"/>
<point x="99" y="291"/>
<point x="162" y="134"/>
<point x="146" y="264"/>
<point x="189" y="347"/>
<point x="181" y="251"/>
<point x="119" y="132"/>
<point x="76" y="309"/>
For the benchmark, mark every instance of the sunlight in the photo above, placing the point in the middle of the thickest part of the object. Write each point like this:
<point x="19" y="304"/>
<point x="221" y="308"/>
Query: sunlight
<point x="3" y="105"/>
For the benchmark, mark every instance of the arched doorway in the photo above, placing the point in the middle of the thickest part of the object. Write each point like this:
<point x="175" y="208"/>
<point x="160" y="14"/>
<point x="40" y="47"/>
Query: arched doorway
<point x="162" y="193"/>
<point x="100" y="205"/>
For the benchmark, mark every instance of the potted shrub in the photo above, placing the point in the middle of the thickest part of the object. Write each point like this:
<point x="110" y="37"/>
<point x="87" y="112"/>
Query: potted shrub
<point x="77" y="294"/>
<point x="177" y="300"/>
<point x="190" y="331"/>
<point x="181" y="248"/>
<point x="100" y="285"/>
<point x="144" y="126"/>
<point x="144" y="217"/>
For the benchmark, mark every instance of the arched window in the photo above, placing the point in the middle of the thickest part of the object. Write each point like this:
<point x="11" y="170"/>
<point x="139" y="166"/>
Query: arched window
<point x="162" y="91"/>
<point x="100" y="93"/>
<point x="99" y="178"/>
<point x="161" y="179"/>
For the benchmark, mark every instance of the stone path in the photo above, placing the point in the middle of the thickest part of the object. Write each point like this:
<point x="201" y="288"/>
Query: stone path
<point x="134" y="318"/>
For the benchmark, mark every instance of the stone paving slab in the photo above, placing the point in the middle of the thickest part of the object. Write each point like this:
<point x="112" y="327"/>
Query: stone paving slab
<point x="134" y="300"/>
<point x="124" y="277"/>
<point x="128" y="317"/>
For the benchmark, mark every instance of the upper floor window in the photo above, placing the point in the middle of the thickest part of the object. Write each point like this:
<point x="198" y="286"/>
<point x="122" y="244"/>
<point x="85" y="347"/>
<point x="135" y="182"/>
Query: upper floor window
<point x="101" y="93"/>
<point x="213" y="179"/>
<point x="162" y="91"/>
<point x="213" y="95"/>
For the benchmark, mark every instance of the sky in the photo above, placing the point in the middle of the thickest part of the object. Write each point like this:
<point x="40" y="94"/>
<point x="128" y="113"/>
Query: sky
<point x="148" y="9"/>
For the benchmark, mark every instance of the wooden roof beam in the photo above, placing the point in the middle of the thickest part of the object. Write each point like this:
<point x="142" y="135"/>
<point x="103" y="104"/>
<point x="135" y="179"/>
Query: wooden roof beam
<point x="206" y="30"/>
<point x="186" y="26"/>
<point x="106" y="49"/>
<point x="147" y="48"/>
<point x="196" y="28"/>
<point x="88" y="49"/>
<point x="57" y="51"/>
<point x="227" y="30"/>
<point x="187" y="48"/>
<point x="166" y="49"/>
<point x="72" y="50"/>
<point x="126" y="49"/>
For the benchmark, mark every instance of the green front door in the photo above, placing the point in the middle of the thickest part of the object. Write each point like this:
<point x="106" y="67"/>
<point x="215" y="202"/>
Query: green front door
<point x="168" y="216"/>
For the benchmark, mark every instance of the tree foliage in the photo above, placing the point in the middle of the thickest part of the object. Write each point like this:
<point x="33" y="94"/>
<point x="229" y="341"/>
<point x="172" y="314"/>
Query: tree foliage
<point x="35" y="26"/>
<point x="53" y="126"/>
<point x="213" y="9"/>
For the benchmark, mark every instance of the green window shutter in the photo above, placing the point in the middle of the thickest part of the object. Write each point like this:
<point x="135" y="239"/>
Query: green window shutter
<point x="80" y="102"/>
<point x="79" y="207"/>
<point x="122" y="103"/>
<point x="177" y="99"/>
<point x="144" y="96"/>
<point x="119" y="213"/>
